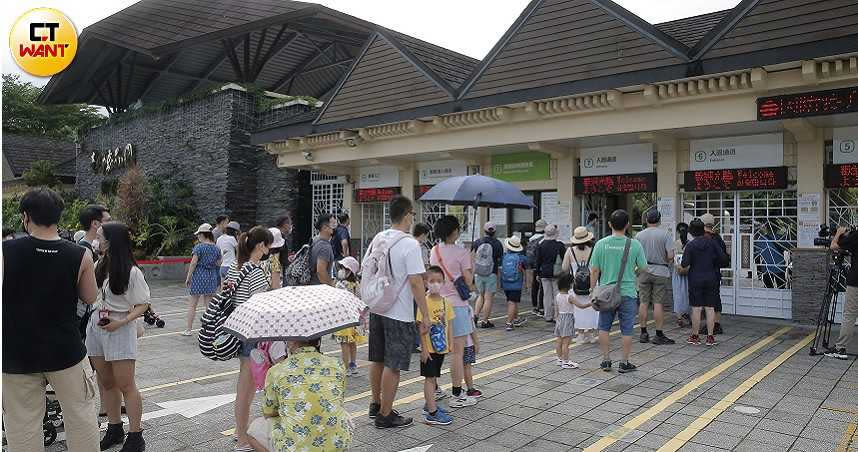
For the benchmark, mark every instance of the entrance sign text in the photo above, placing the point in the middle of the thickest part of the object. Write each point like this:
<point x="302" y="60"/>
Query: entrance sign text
<point x="841" y="176"/>
<point x="608" y="160"/>
<point x="750" y="151"/>
<point x="521" y="166"/>
<point x="816" y="103"/>
<point x="619" y="183"/>
<point x="736" y="179"/>
<point x="103" y="162"/>
<point x="378" y="177"/>
<point x="431" y="173"/>
<point x="844" y="146"/>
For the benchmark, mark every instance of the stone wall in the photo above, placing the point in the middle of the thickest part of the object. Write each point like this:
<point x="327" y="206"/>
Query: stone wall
<point x="809" y="280"/>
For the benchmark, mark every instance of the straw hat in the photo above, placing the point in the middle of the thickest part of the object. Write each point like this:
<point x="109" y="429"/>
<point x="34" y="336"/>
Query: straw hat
<point x="540" y="225"/>
<point x="351" y="264"/>
<point x="205" y="227"/>
<point x="581" y="235"/>
<point x="514" y="244"/>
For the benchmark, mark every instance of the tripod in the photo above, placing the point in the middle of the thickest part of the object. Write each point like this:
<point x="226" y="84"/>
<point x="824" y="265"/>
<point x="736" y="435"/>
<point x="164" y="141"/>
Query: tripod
<point x="837" y="269"/>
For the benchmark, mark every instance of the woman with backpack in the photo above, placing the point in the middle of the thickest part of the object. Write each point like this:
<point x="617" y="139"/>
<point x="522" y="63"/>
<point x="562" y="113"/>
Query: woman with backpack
<point x="250" y="276"/>
<point x="513" y="282"/>
<point x="111" y="339"/>
<point x="455" y="261"/>
<point x="577" y="262"/>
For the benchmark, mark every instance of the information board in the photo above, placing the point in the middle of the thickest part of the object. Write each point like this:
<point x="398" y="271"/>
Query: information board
<point x="816" y="103"/>
<point x="376" y="194"/>
<point x="736" y="179"/>
<point x="619" y="183"/>
<point x="841" y="176"/>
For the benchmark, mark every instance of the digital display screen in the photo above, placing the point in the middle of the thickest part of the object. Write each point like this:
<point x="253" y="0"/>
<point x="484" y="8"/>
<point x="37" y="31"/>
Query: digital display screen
<point x="841" y="176"/>
<point x="736" y="179"/>
<point x="620" y="183"/>
<point x="376" y="194"/>
<point x="421" y="190"/>
<point x="828" y="102"/>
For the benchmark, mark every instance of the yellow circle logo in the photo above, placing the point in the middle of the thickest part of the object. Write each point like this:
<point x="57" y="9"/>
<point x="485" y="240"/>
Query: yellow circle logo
<point x="43" y="41"/>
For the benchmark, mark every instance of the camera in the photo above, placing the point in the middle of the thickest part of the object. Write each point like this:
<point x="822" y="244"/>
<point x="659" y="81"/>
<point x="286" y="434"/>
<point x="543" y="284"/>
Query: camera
<point x="103" y="321"/>
<point x="826" y="234"/>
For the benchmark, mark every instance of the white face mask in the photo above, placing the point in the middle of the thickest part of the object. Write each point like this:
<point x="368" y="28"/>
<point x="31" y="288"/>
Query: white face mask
<point x="434" y="288"/>
<point x="342" y="273"/>
<point x="96" y="245"/>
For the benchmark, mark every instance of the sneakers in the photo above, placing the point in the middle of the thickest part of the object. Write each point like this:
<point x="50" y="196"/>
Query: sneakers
<point x="440" y="408"/>
<point x="626" y="367"/>
<point x="837" y="352"/>
<point x="559" y="362"/>
<point x="187" y="333"/>
<point x="569" y="365"/>
<point x="535" y="311"/>
<point x="439" y="418"/>
<point x="606" y="365"/>
<point x="474" y="393"/>
<point x="487" y="324"/>
<point x="717" y="329"/>
<point x="644" y="338"/>
<point x="374" y="408"/>
<point x="594" y="340"/>
<point x="693" y="339"/>
<point x="509" y="326"/>
<point x="662" y="340"/>
<point x="441" y="394"/>
<point x="352" y="372"/>
<point x="710" y="341"/>
<point x="519" y="321"/>
<point x="462" y="401"/>
<point x="393" y="420"/>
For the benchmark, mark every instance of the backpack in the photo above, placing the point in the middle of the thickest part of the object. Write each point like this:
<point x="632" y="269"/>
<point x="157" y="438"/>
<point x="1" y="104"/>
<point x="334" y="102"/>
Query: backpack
<point x="376" y="288"/>
<point x="557" y="269"/>
<point x="581" y="276"/>
<point x="484" y="264"/>
<point x="300" y="271"/>
<point x="530" y="250"/>
<point x="511" y="268"/>
<point x="215" y="343"/>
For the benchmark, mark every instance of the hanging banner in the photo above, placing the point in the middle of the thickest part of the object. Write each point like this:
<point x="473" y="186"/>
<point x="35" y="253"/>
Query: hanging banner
<point x="610" y="160"/>
<point x="521" y="166"/>
<point x="378" y="177"/>
<point x="431" y="173"/>
<point x="844" y="149"/>
<point x="752" y="151"/>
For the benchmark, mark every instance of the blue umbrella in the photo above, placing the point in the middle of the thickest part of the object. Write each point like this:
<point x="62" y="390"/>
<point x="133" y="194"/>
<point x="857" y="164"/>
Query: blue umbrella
<point x="478" y="191"/>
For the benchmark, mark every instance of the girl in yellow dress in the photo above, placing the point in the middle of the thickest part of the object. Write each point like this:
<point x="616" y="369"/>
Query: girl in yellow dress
<point x="349" y="338"/>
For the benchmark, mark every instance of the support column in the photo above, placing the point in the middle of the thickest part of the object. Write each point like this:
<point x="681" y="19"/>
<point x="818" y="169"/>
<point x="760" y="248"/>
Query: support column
<point x="407" y="179"/>
<point x="574" y="200"/>
<point x="810" y="158"/>
<point x="667" y="188"/>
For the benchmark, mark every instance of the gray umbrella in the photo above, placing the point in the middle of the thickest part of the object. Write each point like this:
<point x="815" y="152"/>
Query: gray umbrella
<point x="478" y="191"/>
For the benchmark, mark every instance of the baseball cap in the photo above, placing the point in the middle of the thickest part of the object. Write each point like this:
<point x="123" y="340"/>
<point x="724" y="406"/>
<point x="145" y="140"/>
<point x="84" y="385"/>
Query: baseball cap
<point x="233" y="225"/>
<point x="653" y="216"/>
<point x="540" y="225"/>
<point x="489" y="226"/>
<point x="708" y="219"/>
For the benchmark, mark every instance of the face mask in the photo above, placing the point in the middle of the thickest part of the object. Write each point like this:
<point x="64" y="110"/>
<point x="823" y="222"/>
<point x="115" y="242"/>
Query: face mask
<point x="434" y="288"/>
<point x="342" y="273"/>
<point x="96" y="245"/>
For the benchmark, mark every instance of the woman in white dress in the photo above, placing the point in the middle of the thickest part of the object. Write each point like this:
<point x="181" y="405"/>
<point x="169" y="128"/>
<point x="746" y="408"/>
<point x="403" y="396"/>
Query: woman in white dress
<point x="577" y="256"/>
<point x="680" y="281"/>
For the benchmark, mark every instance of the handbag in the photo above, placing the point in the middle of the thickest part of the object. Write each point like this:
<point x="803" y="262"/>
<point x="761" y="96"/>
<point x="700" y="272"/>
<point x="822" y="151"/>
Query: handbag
<point x="607" y="297"/>
<point x="459" y="283"/>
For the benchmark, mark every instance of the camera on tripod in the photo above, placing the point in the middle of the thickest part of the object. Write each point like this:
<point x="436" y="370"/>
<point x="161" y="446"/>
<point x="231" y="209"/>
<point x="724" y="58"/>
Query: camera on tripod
<point x="826" y="235"/>
<point x="837" y="267"/>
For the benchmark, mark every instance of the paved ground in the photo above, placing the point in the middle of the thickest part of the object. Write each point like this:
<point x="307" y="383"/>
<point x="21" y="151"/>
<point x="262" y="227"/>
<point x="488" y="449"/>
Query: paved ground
<point x="758" y="390"/>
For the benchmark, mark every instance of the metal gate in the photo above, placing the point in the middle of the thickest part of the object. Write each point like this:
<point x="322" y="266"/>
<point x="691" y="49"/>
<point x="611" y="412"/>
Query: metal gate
<point x="760" y="230"/>
<point x="842" y="209"/>
<point x="327" y="195"/>
<point x="431" y="212"/>
<point x="636" y="205"/>
<point x="375" y="217"/>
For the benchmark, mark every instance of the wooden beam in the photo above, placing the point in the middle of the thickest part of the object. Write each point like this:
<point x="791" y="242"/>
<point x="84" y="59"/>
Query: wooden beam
<point x="273" y="49"/>
<point x="244" y="74"/>
<point x="151" y="82"/>
<point x="259" y="45"/>
<point x="317" y="46"/>
<point x="300" y="68"/>
<point x="229" y="48"/>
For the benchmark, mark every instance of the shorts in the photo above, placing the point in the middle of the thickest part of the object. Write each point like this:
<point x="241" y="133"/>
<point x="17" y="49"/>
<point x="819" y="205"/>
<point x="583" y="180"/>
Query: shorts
<point x="470" y="355"/>
<point x="654" y="289"/>
<point x="260" y="430"/>
<point x="112" y="346"/>
<point x="627" y="311"/>
<point x="463" y="324"/>
<point x="513" y="296"/>
<point x="245" y="349"/>
<point x="432" y="367"/>
<point x="486" y="283"/>
<point x="704" y="295"/>
<point x="390" y="341"/>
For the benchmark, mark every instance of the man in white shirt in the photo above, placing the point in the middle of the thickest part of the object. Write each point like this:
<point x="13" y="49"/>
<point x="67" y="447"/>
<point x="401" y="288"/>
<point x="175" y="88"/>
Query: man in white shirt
<point x="391" y="335"/>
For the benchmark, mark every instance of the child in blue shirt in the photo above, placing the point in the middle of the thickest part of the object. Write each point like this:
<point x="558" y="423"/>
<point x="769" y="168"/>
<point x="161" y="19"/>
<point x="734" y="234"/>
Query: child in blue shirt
<point x="512" y="279"/>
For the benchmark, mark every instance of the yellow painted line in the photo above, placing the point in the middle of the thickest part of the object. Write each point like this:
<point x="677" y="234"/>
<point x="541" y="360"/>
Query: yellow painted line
<point x="638" y="420"/>
<point x="848" y="436"/>
<point x="842" y="410"/>
<point x="419" y="395"/>
<point x="709" y="415"/>
<point x="150" y="336"/>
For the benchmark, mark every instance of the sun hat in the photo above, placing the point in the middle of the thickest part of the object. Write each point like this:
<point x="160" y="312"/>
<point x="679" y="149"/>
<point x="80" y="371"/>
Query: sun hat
<point x="351" y="264"/>
<point x="277" y="351"/>
<point x="489" y="227"/>
<point x="540" y="225"/>
<point x="581" y="235"/>
<point x="205" y="227"/>
<point x="514" y="244"/>
<point x="278" y="238"/>
<point x="551" y="231"/>
<point x="233" y="225"/>
<point x="653" y="217"/>
<point x="708" y="219"/>
<point x="79" y="235"/>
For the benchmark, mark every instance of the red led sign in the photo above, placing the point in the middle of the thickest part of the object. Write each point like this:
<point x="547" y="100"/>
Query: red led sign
<point x="421" y="190"/>
<point x="828" y="102"/>
<point x="376" y="194"/>
<point x="736" y="179"/>
<point x="841" y="176"/>
<point x="620" y="183"/>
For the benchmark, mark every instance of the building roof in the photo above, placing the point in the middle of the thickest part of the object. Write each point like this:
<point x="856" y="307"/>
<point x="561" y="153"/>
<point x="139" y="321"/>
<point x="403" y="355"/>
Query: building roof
<point x="21" y="151"/>
<point x="691" y="30"/>
<point x="156" y="50"/>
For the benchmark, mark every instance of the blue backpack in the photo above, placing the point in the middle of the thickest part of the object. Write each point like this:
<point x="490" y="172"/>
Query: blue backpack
<point x="511" y="268"/>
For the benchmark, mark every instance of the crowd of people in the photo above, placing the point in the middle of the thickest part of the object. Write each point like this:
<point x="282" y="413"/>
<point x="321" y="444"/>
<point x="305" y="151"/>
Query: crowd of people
<point x="444" y="295"/>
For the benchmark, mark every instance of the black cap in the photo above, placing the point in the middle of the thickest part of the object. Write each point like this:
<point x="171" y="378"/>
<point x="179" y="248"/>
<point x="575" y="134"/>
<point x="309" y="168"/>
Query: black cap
<point x="653" y="217"/>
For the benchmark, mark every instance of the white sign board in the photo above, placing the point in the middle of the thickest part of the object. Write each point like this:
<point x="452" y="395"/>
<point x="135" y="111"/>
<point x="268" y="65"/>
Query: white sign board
<point x="497" y="216"/>
<point x="610" y="160"/>
<point x="752" y="151"/>
<point x="845" y="142"/>
<point x="378" y="177"/>
<point x="808" y="218"/>
<point x="665" y="206"/>
<point x="431" y="173"/>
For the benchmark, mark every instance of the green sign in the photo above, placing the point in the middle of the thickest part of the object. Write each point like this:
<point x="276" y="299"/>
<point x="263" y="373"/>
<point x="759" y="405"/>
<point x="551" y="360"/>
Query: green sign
<point x="521" y="166"/>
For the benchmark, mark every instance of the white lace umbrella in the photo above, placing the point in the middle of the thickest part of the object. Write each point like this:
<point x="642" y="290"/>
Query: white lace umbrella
<point x="295" y="313"/>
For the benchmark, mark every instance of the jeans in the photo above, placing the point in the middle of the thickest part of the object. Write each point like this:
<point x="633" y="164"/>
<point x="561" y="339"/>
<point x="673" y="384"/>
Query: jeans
<point x="627" y="311"/>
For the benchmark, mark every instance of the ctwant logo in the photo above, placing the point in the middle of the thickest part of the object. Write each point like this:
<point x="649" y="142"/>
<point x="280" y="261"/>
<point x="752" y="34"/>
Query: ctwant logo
<point x="43" y="41"/>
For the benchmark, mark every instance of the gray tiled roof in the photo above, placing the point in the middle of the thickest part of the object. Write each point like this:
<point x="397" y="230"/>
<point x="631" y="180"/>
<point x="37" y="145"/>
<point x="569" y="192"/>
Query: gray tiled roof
<point x="21" y="151"/>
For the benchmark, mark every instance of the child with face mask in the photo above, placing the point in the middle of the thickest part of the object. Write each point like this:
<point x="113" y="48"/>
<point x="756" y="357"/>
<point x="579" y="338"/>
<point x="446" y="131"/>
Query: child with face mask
<point x="434" y="345"/>
<point x="349" y="338"/>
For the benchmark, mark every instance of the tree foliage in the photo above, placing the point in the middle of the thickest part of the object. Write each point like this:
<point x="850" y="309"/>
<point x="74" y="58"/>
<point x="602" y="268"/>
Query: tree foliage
<point x="41" y="174"/>
<point x="23" y="114"/>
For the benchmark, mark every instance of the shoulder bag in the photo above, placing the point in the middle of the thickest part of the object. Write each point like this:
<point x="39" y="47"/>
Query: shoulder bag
<point x="607" y="297"/>
<point x="460" y="283"/>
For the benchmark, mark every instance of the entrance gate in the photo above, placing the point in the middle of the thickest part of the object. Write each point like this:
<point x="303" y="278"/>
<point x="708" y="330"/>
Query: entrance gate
<point x="759" y="229"/>
<point x="375" y="218"/>
<point x="327" y="195"/>
<point x="602" y="205"/>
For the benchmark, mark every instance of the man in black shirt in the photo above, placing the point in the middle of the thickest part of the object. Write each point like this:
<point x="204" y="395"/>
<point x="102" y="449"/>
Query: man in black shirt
<point x="547" y="254"/>
<point x="342" y="237"/>
<point x="847" y="241"/>
<point x="44" y="276"/>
